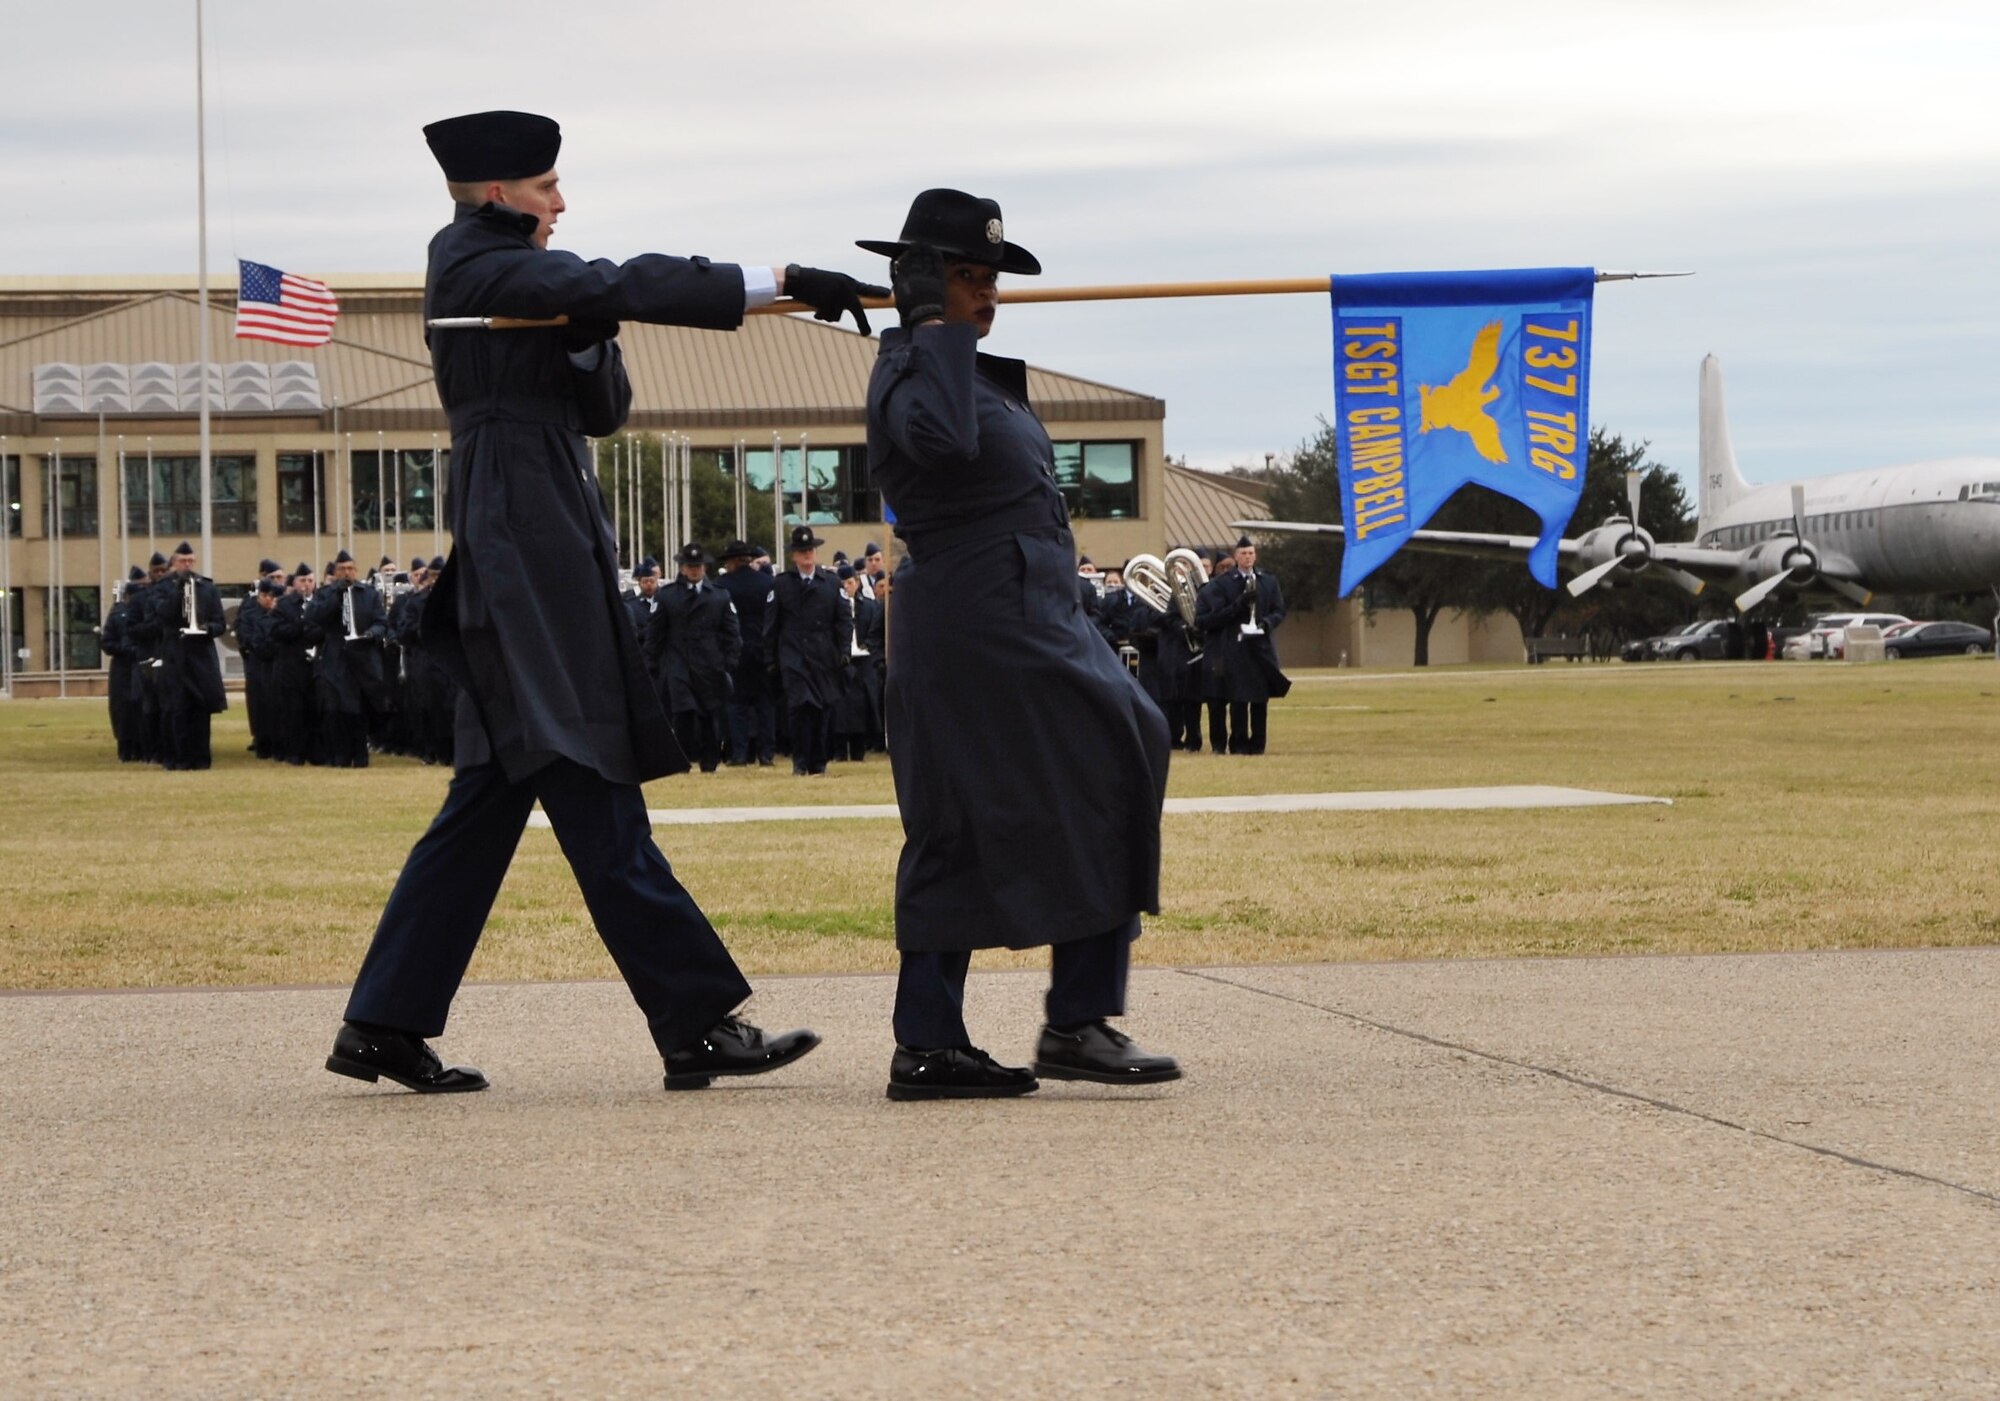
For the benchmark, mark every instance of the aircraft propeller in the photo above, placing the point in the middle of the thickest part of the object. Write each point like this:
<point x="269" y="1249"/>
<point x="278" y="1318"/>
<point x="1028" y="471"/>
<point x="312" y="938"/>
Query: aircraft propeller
<point x="1799" y="565"/>
<point x="1632" y="552"/>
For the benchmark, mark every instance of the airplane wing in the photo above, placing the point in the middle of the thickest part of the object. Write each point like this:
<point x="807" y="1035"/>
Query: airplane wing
<point x="1711" y="566"/>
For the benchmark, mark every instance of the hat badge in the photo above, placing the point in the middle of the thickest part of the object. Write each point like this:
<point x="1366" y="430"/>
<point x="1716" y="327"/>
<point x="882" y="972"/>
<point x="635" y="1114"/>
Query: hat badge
<point x="994" y="233"/>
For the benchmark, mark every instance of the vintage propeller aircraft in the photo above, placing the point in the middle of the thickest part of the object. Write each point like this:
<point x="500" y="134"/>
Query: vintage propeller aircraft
<point x="1923" y="527"/>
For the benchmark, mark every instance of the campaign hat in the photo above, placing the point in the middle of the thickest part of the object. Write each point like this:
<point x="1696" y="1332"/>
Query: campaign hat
<point x="494" y="145"/>
<point x="802" y="538"/>
<point x="963" y="227"/>
<point x="737" y="549"/>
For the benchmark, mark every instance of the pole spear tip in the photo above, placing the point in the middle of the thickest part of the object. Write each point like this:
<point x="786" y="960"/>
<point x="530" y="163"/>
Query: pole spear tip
<point x="1635" y="276"/>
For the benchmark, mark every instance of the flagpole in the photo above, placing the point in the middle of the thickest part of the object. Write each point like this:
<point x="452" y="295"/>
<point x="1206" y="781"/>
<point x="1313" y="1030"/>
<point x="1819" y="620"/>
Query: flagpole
<point x="201" y="224"/>
<point x="52" y="500"/>
<point x="7" y="571"/>
<point x="381" y="503"/>
<point x="1116" y="292"/>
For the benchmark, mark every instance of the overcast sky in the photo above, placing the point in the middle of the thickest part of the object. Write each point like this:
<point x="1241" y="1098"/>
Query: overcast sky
<point x="1830" y="170"/>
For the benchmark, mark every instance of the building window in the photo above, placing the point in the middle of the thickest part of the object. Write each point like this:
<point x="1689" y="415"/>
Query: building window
<point x="835" y="483"/>
<point x="10" y="479"/>
<point x="301" y="487"/>
<point x="1099" y="481"/>
<point x="404" y="474"/>
<point x="173" y="505"/>
<point x="76" y="649"/>
<point x="72" y="482"/>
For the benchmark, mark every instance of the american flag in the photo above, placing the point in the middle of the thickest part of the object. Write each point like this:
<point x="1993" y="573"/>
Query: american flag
<point x="276" y="306"/>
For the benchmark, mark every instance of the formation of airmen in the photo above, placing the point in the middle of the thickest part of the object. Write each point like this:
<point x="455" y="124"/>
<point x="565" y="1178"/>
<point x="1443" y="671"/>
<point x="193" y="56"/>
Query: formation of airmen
<point x="749" y="664"/>
<point x="334" y="667"/>
<point x="754" y="663"/>
<point x="1227" y="662"/>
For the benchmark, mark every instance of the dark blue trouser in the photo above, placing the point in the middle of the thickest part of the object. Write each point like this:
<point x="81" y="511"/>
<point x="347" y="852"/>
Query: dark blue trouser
<point x="753" y="730"/>
<point x="673" y="960"/>
<point x="1086" y="982"/>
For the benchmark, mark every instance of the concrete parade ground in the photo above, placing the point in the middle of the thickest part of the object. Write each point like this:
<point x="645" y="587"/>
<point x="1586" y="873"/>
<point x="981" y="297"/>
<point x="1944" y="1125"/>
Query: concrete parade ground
<point x="1761" y="1176"/>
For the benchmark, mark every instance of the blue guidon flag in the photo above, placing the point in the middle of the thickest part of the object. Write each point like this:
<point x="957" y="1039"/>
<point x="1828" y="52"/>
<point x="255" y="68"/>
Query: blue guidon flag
<point x="1444" y="378"/>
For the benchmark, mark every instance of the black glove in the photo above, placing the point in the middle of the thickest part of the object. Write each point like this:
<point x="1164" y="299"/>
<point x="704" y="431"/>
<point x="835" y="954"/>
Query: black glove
<point x="583" y="332"/>
<point x="830" y="294"/>
<point x="918" y="275"/>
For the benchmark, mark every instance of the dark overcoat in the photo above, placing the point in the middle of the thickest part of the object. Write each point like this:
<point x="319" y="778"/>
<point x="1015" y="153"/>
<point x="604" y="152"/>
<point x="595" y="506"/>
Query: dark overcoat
<point x="750" y="590"/>
<point x="293" y="665"/>
<point x="1029" y="766"/>
<point x="859" y="710"/>
<point x="190" y="669"/>
<point x="527" y="614"/>
<point x="807" y="629"/>
<point x="1242" y="668"/>
<point x="116" y="640"/>
<point x="350" y="672"/>
<point x="693" y="644"/>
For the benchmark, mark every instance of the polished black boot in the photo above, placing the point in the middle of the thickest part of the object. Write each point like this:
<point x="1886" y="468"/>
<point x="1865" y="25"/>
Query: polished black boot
<point x="955" y="1073"/>
<point x="734" y="1047"/>
<point x="374" y="1053"/>
<point x="1099" y="1052"/>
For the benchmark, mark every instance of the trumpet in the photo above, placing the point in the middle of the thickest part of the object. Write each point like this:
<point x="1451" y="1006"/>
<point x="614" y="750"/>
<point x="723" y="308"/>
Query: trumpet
<point x="190" y="627"/>
<point x="1250" y="627"/>
<point x="347" y="615"/>
<point x="1169" y="586"/>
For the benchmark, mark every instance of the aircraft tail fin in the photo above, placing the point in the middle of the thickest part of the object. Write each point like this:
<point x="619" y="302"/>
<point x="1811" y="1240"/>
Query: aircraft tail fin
<point x="1721" y="482"/>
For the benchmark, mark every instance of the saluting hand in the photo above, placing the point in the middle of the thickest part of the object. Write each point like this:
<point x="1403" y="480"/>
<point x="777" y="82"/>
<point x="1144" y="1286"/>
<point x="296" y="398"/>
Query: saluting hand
<point x="918" y="275"/>
<point x="831" y="294"/>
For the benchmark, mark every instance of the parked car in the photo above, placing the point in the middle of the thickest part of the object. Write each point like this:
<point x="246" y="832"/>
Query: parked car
<point x="1828" y="637"/>
<point x="1704" y="641"/>
<point x="1937" y="640"/>
<point x="1643" y="649"/>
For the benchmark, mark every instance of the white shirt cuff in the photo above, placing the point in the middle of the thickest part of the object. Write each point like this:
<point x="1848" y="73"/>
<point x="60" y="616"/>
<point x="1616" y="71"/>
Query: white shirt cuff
<point x="586" y="360"/>
<point x="760" y="286"/>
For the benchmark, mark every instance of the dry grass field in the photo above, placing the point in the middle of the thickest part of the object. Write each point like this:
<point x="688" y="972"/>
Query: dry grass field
<point x="1815" y="806"/>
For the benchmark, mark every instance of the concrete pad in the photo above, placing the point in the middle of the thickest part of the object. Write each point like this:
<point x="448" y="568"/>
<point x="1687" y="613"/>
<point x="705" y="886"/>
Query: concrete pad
<point x="1520" y="795"/>
<point x="1648" y="1177"/>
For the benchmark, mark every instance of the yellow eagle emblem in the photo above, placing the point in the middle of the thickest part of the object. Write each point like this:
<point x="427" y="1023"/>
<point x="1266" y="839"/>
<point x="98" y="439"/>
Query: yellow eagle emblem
<point x="1461" y="404"/>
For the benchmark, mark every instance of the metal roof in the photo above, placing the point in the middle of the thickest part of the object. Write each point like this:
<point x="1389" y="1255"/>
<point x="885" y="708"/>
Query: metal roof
<point x="778" y="371"/>
<point x="1201" y="505"/>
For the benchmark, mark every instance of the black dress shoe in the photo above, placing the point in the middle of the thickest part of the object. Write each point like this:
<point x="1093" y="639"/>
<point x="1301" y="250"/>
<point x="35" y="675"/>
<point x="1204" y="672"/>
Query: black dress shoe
<point x="734" y="1047"/>
<point x="372" y="1052"/>
<point x="1100" y="1052"/>
<point x="955" y="1073"/>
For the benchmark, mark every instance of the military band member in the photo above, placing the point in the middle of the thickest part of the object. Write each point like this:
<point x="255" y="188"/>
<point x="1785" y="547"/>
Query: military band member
<point x="693" y="644"/>
<point x="292" y="672"/>
<point x="871" y="568"/>
<point x="807" y="633"/>
<point x="147" y="664"/>
<point x="752" y="715"/>
<point x="1238" y="612"/>
<point x="556" y="705"/>
<point x="644" y="600"/>
<point x="346" y="624"/>
<point x="856" y="718"/>
<point x="121" y="686"/>
<point x="1029" y="766"/>
<point x="255" y="640"/>
<point x="182" y="613"/>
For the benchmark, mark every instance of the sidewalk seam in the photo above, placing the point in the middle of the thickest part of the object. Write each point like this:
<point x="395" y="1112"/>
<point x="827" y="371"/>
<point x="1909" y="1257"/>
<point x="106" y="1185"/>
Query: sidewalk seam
<point x="1600" y="1087"/>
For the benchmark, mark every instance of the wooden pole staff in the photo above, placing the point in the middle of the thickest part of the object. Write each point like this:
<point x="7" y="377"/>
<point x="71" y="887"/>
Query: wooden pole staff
<point x="1023" y="295"/>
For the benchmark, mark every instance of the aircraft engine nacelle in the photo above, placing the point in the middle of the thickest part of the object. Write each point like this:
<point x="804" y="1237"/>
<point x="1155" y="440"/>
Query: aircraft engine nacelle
<point x="1618" y="548"/>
